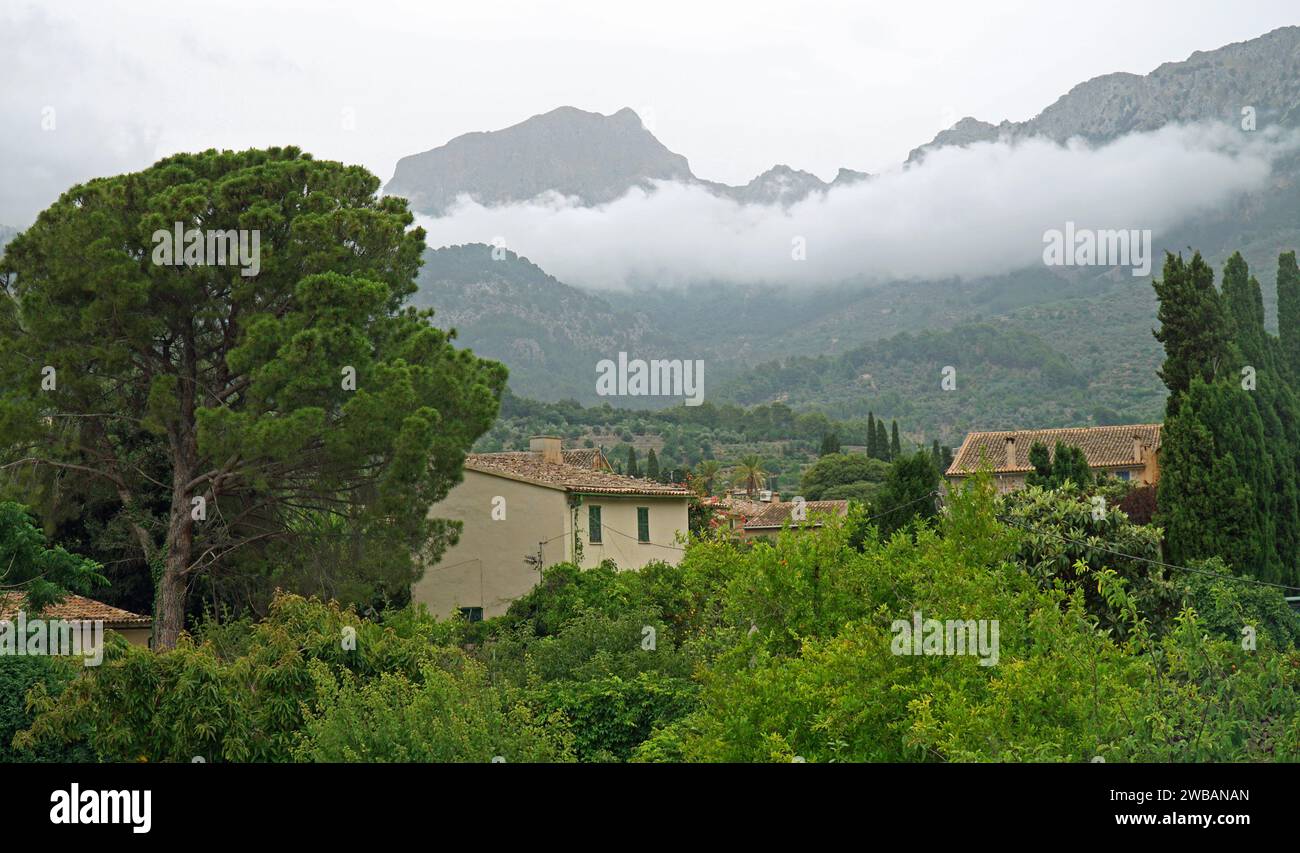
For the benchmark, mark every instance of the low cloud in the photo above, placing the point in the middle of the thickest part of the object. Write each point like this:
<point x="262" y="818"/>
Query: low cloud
<point x="962" y="212"/>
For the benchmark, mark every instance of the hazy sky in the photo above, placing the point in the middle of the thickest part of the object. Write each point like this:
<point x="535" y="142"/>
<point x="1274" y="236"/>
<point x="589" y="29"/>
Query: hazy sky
<point x="733" y="86"/>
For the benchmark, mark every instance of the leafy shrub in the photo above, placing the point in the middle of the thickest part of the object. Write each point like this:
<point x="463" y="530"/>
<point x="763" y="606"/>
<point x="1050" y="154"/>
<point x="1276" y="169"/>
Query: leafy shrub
<point x="448" y="714"/>
<point x="17" y="676"/>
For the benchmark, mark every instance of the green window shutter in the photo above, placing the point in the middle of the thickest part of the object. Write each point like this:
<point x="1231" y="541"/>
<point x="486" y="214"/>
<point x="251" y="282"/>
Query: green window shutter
<point x="643" y="523"/>
<point x="593" y="523"/>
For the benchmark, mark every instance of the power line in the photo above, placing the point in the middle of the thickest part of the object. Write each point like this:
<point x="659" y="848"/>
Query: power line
<point x="1160" y="563"/>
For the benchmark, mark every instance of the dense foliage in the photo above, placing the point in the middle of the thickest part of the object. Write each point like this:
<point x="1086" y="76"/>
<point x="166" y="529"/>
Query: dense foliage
<point x="744" y="652"/>
<point x="1229" y="484"/>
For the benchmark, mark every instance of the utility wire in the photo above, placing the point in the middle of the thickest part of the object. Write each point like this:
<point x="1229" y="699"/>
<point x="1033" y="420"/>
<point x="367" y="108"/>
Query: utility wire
<point x="1160" y="563"/>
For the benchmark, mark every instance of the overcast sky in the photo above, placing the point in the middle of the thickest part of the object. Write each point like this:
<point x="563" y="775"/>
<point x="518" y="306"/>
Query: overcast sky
<point x="733" y="86"/>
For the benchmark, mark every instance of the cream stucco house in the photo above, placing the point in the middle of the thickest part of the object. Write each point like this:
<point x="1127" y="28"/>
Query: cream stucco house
<point x="523" y="511"/>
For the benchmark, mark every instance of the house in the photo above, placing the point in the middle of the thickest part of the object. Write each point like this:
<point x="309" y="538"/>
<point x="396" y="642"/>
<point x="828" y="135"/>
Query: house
<point x="733" y="512"/>
<point x="1128" y="452"/>
<point x="524" y="510"/>
<point x="774" y="516"/>
<point x="134" y="628"/>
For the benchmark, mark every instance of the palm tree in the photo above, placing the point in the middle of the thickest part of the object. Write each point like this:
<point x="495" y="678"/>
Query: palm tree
<point x="749" y="473"/>
<point x="705" y="472"/>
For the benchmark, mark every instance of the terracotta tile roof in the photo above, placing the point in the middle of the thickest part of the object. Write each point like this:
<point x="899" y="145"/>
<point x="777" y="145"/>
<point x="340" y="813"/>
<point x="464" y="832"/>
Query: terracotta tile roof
<point x="1104" y="447"/>
<point x="75" y="607"/>
<point x="777" y="514"/>
<point x="740" y="506"/>
<point x="530" y="468"/>
<point x="586" y="457"/>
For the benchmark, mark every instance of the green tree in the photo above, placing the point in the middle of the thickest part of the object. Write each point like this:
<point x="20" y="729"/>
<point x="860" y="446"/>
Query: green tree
<point x="652" y="465"/>
<point x="307" y="390"/>
<point x="1069" y="464"/>
<point x="749" y="473"/>
<point x="632" y="469"/>
<point x="1288" y="311"/>
<point x="882" y="442"/>
<point x="42" y="574"/>
<point x="1041" y="459"/>
<point x="1192" y="324"/>
<point x="908" y="494"/>
<point x="895" y="447"/>
<point x="840" y="469"/>
<point x="830" y="444"/>
<point x="706" y="472"/>
<point x="872" y="450"/>
<point x="1243" y="306"/>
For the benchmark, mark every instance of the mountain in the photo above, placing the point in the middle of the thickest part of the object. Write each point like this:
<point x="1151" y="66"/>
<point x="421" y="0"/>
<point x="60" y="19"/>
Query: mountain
<point x="810" y="347"/>
<point x="549" y="334"/>
<point x="588" y="156"/>
<point x="594" y="157"/>
<point x="1262" y="73"/>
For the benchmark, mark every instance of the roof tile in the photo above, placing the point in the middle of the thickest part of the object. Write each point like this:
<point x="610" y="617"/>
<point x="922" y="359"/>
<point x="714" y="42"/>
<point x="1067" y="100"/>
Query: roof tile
<point x="1104" y="447"/>
<point x="75" y="607"/>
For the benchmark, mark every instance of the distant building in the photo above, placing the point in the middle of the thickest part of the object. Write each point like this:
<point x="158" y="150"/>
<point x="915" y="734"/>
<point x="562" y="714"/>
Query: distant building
<point x="774" y="516"/>
<point x="525" y="510"/>
<point x="733" y="512"/>
<point x="1128" y="452"/>
<point x="136" y="629"/>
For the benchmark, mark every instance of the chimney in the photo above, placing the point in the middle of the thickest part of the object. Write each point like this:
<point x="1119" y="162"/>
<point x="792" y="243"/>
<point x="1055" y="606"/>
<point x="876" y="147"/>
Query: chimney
<point x="1137" y="448"/>
<point x="1011" y="451"/>
<point x="548" y="446"/>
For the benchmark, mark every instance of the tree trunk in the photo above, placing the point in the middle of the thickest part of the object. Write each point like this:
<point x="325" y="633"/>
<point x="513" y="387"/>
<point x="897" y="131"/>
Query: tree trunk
<point x="173" y="584"/>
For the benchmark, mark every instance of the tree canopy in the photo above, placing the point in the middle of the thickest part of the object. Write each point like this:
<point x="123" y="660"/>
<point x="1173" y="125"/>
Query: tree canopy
<point x="237" y="417"/>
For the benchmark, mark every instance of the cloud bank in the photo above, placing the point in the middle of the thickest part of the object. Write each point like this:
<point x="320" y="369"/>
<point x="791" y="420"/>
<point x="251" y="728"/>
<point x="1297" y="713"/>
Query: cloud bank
<point x="963" y="212"/>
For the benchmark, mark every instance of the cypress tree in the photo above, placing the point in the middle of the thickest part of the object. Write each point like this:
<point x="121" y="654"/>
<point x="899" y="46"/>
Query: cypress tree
<point x="632" y="469"/>
<point x="1192" y="325"/>
<point x="871" y="435"/>
<point x="1041" y="458"/>
<point x="652" y="465"/>
<point x="1243" y="306"/>
<point x="1288" y="314"/>
<point x="895" y="447"/>
<point x="830" y="444"/>
<point x="882" y="442"/>
<point x="1070" y="463"/>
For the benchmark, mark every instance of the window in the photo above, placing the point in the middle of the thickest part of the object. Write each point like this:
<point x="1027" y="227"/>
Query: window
<point x="1123" y="475"/>
<point x="593" y="523"/>
<point x="472" y="614"/>
<point x="643" y="524"/>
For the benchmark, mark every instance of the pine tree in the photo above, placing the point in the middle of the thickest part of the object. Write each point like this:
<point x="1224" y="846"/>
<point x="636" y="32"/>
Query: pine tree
<point x="895" y="448"/>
